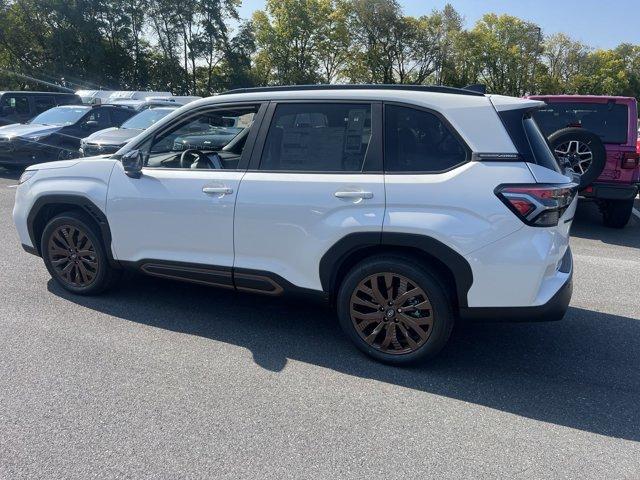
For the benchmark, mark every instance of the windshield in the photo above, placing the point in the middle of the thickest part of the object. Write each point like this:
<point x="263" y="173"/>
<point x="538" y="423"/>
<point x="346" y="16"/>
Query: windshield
<point x="146" y="118"/>
<point x="607" y="120"/>
<point x="60" y="116"/>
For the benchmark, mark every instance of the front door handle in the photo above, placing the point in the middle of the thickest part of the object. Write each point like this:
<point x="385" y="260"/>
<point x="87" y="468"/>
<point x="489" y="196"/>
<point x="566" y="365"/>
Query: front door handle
<point x="217" y="190"/>
<point x="354" y="194"/>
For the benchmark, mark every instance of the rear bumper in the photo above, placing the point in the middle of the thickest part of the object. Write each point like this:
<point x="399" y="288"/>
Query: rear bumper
<point x="552" y="310"/>
<point x="608" y="191"/>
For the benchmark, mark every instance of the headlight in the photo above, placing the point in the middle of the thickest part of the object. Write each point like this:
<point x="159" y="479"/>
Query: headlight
<point x="26" y="176"/>
<point x="33" y="138"/>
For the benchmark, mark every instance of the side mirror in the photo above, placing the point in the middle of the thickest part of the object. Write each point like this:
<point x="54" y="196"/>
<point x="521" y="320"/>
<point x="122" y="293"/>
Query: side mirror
<point x="132" y="163"/>
<point x="89" y="124"/>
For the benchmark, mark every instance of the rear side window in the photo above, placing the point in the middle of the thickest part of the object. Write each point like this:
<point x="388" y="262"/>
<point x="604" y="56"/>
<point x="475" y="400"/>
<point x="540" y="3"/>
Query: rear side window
<point x="119" y="116"/>
<point x="607" y="120"/>
<point x="539" y="145"/>
<point x="419" y="141"/>
<point x="44" y="103"/>
<point x="318" y="137"/>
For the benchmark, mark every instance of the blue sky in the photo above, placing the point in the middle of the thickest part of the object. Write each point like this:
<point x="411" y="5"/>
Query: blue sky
<point x="599" y="23"/>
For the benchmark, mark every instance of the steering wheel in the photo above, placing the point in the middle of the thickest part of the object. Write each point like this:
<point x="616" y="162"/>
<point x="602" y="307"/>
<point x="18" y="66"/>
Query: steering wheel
<point x="201" y="157"/>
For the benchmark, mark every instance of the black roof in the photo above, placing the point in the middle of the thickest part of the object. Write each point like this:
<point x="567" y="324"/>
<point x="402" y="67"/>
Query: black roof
<point x="418" y="88"/>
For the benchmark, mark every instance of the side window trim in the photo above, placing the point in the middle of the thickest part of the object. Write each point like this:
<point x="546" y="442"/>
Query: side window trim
<point x="249" y="144"/>
<point x="373" y="155"/>
<point x="444" y="120"/>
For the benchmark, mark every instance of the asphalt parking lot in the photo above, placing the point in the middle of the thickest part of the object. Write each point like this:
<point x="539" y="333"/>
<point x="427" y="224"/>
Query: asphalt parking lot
<point x="168" y="380"/>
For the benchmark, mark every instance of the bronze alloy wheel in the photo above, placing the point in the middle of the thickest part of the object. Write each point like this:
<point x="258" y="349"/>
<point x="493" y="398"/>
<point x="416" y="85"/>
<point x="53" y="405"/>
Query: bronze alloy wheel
<point x="391" y="313"/>
<point x="73" y="256"/>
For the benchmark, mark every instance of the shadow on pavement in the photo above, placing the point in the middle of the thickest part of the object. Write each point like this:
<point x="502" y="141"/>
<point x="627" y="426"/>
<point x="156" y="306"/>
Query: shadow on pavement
<point x="588" y="224"/>
<point x="582" y="372"/>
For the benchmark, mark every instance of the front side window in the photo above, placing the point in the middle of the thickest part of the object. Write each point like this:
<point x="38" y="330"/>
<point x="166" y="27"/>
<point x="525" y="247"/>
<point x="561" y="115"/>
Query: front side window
<point x="17" y="103"/>
<point x="199" y="141"/>
<point x="60" y="116"/>
<point x="418" y="141"/>
<point x="318" y="137"/>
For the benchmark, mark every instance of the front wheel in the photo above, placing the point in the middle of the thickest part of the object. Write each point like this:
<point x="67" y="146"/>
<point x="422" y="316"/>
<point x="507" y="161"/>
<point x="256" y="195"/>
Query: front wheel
<point x="75" y="256"/>
<point x="395" y="311"/>
<point x="616" y="213"/>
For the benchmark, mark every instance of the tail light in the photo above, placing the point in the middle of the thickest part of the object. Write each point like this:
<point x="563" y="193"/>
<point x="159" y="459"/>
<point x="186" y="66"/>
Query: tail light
<point x="538" y="205"/>
<point x="630" y="160"/>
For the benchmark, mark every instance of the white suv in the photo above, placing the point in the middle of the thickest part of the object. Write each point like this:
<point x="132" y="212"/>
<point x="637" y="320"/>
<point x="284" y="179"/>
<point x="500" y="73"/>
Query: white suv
<point x="406" y="207"/>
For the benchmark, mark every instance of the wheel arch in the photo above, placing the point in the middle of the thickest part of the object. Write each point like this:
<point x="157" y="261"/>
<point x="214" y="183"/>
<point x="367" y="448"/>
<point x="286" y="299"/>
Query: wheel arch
<point x="455" y="271"/>
<point x="48" y="206"/>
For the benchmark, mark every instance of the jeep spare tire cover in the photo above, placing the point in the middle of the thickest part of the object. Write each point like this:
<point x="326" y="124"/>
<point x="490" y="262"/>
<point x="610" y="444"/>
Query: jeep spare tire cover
<point x="581" y="149"/>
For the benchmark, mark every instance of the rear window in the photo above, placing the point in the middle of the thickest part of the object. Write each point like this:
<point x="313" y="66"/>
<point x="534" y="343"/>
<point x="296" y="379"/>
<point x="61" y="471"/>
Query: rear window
<point x="607" y="120"/>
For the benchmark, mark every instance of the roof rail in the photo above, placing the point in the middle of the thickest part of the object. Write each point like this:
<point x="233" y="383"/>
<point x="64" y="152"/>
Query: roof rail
<point x="419" y="88"/>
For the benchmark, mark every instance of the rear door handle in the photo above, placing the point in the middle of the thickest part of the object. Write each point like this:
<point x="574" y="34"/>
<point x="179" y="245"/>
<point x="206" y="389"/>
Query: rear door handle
<point x="354" y="194"/>
<point x="217" y="190"/>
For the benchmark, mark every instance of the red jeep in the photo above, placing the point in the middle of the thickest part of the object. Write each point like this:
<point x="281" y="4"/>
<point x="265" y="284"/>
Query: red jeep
<point x="597" y="137"/>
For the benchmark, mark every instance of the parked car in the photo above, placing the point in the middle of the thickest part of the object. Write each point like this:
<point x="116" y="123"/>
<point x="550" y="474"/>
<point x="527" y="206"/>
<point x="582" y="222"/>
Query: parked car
<point x="111" y="139"/>
<point x="55" y="134"/>
<point x="18" y="107"/>
<point x="136" y="95"/>
<point x="140" y="105"/>
<point x="91" y="97"/>
<point x="597" y="136"/>
<point x="217" y="135"/>
<point x="462" y="211"/>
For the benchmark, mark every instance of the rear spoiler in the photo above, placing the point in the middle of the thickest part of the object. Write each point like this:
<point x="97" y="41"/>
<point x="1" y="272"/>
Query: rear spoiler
<point x="476" y="87"/>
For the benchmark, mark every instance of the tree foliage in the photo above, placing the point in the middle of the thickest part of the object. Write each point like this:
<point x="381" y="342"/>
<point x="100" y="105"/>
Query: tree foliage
<point x="202" y="46"/>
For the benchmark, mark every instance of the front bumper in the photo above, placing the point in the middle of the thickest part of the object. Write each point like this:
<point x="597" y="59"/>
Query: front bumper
<point x="552" y="310"/>
<point x="21" y="153"/>
<point x="608" y="191"/>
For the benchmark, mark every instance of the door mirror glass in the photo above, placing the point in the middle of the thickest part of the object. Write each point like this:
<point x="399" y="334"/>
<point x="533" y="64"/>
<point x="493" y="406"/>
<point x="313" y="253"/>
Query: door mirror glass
<point x="89" y="124"/>
<point x="133" y="162"/>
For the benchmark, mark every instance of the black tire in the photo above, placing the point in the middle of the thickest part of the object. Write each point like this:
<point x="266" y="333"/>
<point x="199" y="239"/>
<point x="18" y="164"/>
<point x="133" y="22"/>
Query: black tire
<point x="104" y="276"/>
<point x="68" y="152"/>
<point x="616" y="213"/>
<point x="440" y="310"/>
<point x="592" y="141"/>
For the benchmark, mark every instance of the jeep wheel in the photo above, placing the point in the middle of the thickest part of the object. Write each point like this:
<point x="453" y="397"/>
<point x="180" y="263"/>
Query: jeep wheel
<point x="67" y="153"/>
<point x="75" y="256"/>
<point x="582" y="150"/>
<point x="616" y="213"/>
<point x="394" y="311"/>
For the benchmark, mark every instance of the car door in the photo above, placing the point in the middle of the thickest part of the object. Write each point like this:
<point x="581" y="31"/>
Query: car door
<point x="177" y="218"/>
<point x="315" y="177"/>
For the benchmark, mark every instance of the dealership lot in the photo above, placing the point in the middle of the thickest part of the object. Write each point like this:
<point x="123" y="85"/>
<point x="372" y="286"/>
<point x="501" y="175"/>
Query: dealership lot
<point x="168" y="380"/>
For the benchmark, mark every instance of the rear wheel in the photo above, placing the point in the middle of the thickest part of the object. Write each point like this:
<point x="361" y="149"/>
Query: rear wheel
<point x="395" y="311"/>
<point x="616" y="213"/>
<point x="75" y="256"/>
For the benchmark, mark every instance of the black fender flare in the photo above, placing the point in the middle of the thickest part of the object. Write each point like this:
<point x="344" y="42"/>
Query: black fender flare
<point x="459" y="267"/>
<point x="80" y="201"/>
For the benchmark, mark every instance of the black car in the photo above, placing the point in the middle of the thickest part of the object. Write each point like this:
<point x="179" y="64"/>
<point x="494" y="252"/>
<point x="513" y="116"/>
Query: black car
<point x="56" y="133"/>
<point x="18" y="107"/>
<point x="110" y="140"/>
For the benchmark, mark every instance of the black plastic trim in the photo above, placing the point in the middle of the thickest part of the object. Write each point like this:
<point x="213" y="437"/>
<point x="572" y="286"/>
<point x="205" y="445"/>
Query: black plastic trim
<point x="553" y="310"/>
<point x="613" y="192"/>
<point x="333" y="259"/>
<point x="30" y="249"/>
<point x="77" y="201"/>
